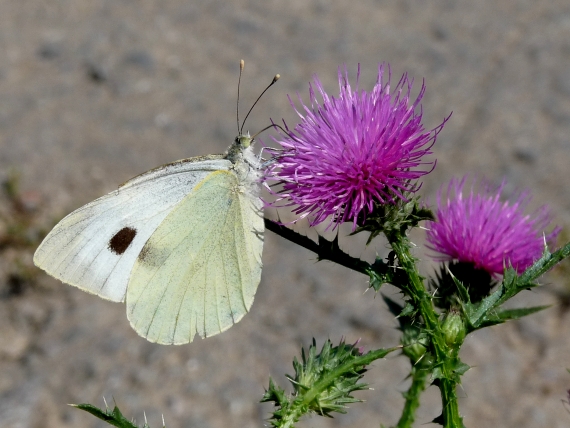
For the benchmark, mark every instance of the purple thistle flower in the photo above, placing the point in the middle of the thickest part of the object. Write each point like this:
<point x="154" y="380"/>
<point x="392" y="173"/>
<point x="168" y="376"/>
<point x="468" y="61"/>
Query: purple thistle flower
<point x="485" y="232"/>
<point x="349" y="153"/>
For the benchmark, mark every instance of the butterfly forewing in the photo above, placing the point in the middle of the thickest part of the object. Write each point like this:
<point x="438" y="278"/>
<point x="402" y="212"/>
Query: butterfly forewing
<point x="95" y="247"/>
<point x="198" y="272"/>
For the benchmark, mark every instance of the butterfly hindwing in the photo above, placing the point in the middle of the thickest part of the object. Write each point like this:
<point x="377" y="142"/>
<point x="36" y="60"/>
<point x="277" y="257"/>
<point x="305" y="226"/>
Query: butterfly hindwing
<point x="95" y="247"/>
<point x="199" y="271"/>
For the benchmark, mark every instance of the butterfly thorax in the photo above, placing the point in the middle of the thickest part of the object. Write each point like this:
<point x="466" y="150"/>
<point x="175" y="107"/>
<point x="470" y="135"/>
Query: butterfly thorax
<point x="245" y="162"/>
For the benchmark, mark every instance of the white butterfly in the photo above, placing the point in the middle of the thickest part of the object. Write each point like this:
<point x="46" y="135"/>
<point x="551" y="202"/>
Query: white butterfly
<point x="180" y="243"/>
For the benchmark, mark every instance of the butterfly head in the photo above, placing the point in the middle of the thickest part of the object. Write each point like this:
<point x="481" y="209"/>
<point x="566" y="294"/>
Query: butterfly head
<point x="241" y="144"/>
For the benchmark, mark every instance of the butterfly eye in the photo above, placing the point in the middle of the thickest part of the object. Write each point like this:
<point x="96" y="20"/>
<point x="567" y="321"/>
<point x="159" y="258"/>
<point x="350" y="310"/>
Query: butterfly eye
<point x="244" y="140"/>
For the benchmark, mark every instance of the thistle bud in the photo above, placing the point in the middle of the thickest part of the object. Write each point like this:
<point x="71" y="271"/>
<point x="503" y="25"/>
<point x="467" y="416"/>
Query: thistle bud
<point x="453" y="328"/>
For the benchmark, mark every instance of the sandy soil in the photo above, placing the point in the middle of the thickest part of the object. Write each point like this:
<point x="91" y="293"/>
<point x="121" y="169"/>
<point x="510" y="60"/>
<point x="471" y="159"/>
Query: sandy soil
<point x="95" y="92"/>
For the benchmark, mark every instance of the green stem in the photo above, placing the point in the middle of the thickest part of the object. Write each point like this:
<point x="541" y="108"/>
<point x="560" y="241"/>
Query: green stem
<point x="412" y="395"/>
<point x="444" y="355"/>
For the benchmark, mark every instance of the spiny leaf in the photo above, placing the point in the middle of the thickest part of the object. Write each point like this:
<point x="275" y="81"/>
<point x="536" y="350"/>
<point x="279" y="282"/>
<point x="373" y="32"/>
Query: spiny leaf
<point x="545" y="263"/>
<point x="511" y="314"/>
<point x="486" y="312"/>
<point x="323" y="382"/>
<point x="112" y="417"/>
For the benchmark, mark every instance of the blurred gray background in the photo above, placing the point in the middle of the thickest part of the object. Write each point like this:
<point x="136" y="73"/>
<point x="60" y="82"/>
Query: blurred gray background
<point x="95" y="92"/>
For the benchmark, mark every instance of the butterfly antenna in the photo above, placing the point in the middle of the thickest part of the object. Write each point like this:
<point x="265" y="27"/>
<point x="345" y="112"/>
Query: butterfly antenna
<point x="241" y="66"/>
<point x="273" y="125"/>
<point x="275" y="79"/>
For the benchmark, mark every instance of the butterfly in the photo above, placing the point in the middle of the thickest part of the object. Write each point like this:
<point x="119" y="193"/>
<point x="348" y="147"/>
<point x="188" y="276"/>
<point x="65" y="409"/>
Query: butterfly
<point x="181" y="244"/>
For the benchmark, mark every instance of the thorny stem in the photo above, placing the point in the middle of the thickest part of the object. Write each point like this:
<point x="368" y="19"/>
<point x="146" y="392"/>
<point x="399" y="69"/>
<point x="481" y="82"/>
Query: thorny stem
<point x="443" y="354"/>
<point x="324" y="249"/>
<point x="412" y="395"/>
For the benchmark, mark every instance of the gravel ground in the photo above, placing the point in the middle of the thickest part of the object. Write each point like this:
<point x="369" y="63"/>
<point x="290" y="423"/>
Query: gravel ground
<point x="95" y="92"/>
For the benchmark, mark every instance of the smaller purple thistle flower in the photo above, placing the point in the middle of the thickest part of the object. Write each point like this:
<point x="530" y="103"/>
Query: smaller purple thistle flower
<point x="483" y="231"/>
<point x="352" y="152"/>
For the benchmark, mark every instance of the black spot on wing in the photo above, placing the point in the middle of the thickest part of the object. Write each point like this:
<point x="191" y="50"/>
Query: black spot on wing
<point x="152" y="256"/>
<point x="145" y="256"/>
<point x="122" y="239"/>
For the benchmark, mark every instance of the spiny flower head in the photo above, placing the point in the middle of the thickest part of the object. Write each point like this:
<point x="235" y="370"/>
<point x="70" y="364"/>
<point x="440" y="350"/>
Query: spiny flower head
<point x="483" y="231"/>
<point x="352" y="152"/>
